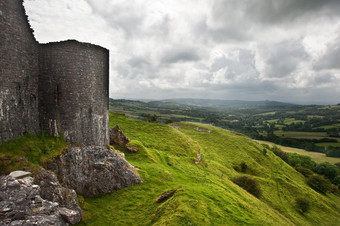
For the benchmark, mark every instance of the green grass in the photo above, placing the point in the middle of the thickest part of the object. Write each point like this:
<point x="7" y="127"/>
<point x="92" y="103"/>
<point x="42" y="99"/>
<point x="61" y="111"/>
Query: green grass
<point x="304" y="135"/>
<point x="266" y="113"/>
<point x="205" y="193"/>
<point x="316" y="156"/>
<point x="272" y="121"/>
<point x="289" y="121"/>
<point x="328" y="144"/>
<point x="29" y="150"/>
<point x="331" y="126"/>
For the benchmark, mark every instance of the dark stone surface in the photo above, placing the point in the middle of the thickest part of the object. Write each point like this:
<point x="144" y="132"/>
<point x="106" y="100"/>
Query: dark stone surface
<point x="73" y="93"/>
<point x="61" y="88"/>
<point x="18" y="72"/>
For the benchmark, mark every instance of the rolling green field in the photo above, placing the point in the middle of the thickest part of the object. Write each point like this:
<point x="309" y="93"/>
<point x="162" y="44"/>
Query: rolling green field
<point x="304" y="135"/>
<point x="331" y="126"/>
<point x="289" y="121"/>
<point x="203" y="192"/>
<point x="316" y="156"/>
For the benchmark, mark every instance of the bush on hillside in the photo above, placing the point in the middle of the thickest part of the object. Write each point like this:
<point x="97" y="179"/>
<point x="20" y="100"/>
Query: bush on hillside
<point x="336" y="181"/>
<point x="278" y="152"/>
<point x="337" y="164"/>
<point x="319" y="183"/>
<point x="249" y="184"/>
<point x="169" y="121"/>
<point x="327" y="169"/>
<point x="302" y="160"/>
<point x="302" y="204"/>
<point x="242" y="167"/>
<point x="304" y="171"/>
<point x="333" y="152"/>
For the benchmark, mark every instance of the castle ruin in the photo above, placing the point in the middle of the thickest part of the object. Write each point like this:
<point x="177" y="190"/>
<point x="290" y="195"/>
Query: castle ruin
<point x="60" y="88"/>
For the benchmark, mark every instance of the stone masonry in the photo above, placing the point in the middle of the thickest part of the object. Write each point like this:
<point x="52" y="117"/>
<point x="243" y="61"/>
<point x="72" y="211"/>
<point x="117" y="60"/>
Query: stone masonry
<point x="60" y="88"/>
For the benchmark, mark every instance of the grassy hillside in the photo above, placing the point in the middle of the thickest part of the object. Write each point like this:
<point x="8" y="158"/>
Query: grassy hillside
<point x="203" y="193"/>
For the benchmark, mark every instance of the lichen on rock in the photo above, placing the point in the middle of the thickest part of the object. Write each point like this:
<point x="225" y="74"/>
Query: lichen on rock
<point x="93" y="170"/>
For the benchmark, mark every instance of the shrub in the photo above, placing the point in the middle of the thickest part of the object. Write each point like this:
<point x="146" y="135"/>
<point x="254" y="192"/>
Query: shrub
<point x="249" y="184"/>
<point x="302" y="204"/>
<point x="337" y="164"/>
<point x="327" y="169"/>
<point x="304" y="171"/>
<point x="335" y="189"/>
<point x="319" y="183"/>
<point x="336" y="180"/>
<point x="333" y="152"/>
<point x="242" y="167"/>
<point x="278" y="152"/>
<point x="168" y="121"/>
<point x="302" y="160"/>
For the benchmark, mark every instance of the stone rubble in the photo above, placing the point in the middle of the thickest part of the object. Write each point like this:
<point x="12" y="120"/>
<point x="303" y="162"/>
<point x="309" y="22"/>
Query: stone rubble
<point x="21" y="203"/>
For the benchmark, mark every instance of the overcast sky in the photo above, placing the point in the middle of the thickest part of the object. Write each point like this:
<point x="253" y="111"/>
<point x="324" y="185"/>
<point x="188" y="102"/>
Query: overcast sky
<point x="285" y="50"/>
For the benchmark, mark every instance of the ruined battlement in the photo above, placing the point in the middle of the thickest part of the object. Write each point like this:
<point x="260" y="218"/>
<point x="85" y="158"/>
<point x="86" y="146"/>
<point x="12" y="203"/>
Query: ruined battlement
<point x="61" y="87"/>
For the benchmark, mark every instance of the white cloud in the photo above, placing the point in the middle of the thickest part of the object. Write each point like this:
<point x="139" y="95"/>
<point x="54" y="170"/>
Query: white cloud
<point x="223" y="49"/>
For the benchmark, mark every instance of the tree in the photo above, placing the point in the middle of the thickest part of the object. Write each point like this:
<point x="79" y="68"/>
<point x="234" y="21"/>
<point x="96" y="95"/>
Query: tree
<point x="301" y="160"/>
<point x="249" y="184"/>
<point x="327" y="169"/>
<point x="319" y="183"/>
<point x="153" y="118"/>
<point x="302" y="204"/>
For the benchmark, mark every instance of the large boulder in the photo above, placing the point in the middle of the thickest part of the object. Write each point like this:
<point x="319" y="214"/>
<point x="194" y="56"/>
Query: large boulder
<point x="117" y="137"/>
<point x="93" y="170"/>
<point x="21" y="203"/>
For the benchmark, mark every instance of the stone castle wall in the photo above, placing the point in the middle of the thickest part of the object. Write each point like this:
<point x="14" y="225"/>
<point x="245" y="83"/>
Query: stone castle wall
<point x="74" y="94"/>
<point x="61" y="88"/>
<point x="18" y="72"/>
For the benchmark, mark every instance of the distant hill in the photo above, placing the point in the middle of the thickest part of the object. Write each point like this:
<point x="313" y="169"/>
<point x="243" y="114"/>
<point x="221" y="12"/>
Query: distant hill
<point x="226" y="103"/>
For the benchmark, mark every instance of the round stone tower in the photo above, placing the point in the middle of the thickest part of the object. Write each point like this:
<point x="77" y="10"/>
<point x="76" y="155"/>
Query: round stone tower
<point x="73" y="91"/>
<point x="18" y="72"/>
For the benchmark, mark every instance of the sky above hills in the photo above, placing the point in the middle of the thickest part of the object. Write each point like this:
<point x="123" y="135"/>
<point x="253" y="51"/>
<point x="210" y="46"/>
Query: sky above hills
<point x="285" y="50"/>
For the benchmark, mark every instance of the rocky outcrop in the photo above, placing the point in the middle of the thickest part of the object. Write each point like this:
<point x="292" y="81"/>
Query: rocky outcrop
<point x="117" y="137"/>
<point x="53" y="191"/>
<point x="21" y="203"/>
<point x="131" y="149"/>
<point x="93" y="170"/>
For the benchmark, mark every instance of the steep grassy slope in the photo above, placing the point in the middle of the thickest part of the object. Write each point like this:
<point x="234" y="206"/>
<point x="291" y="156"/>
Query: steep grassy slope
<point x="204" y="192"/>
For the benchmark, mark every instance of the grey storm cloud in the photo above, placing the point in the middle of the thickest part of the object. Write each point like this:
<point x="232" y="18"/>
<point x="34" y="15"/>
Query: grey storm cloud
<point x="222" y="49"/>
<point x="242" y="20"/>
<point x="126" y="15"/>
<point x="138" y="62"/>
<point x="324" y="78"/>
<point x="180" y="55"/>
<point x="283" y="58"/>
<point x="269" y="11"/>
<point x="331" y="59"/>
